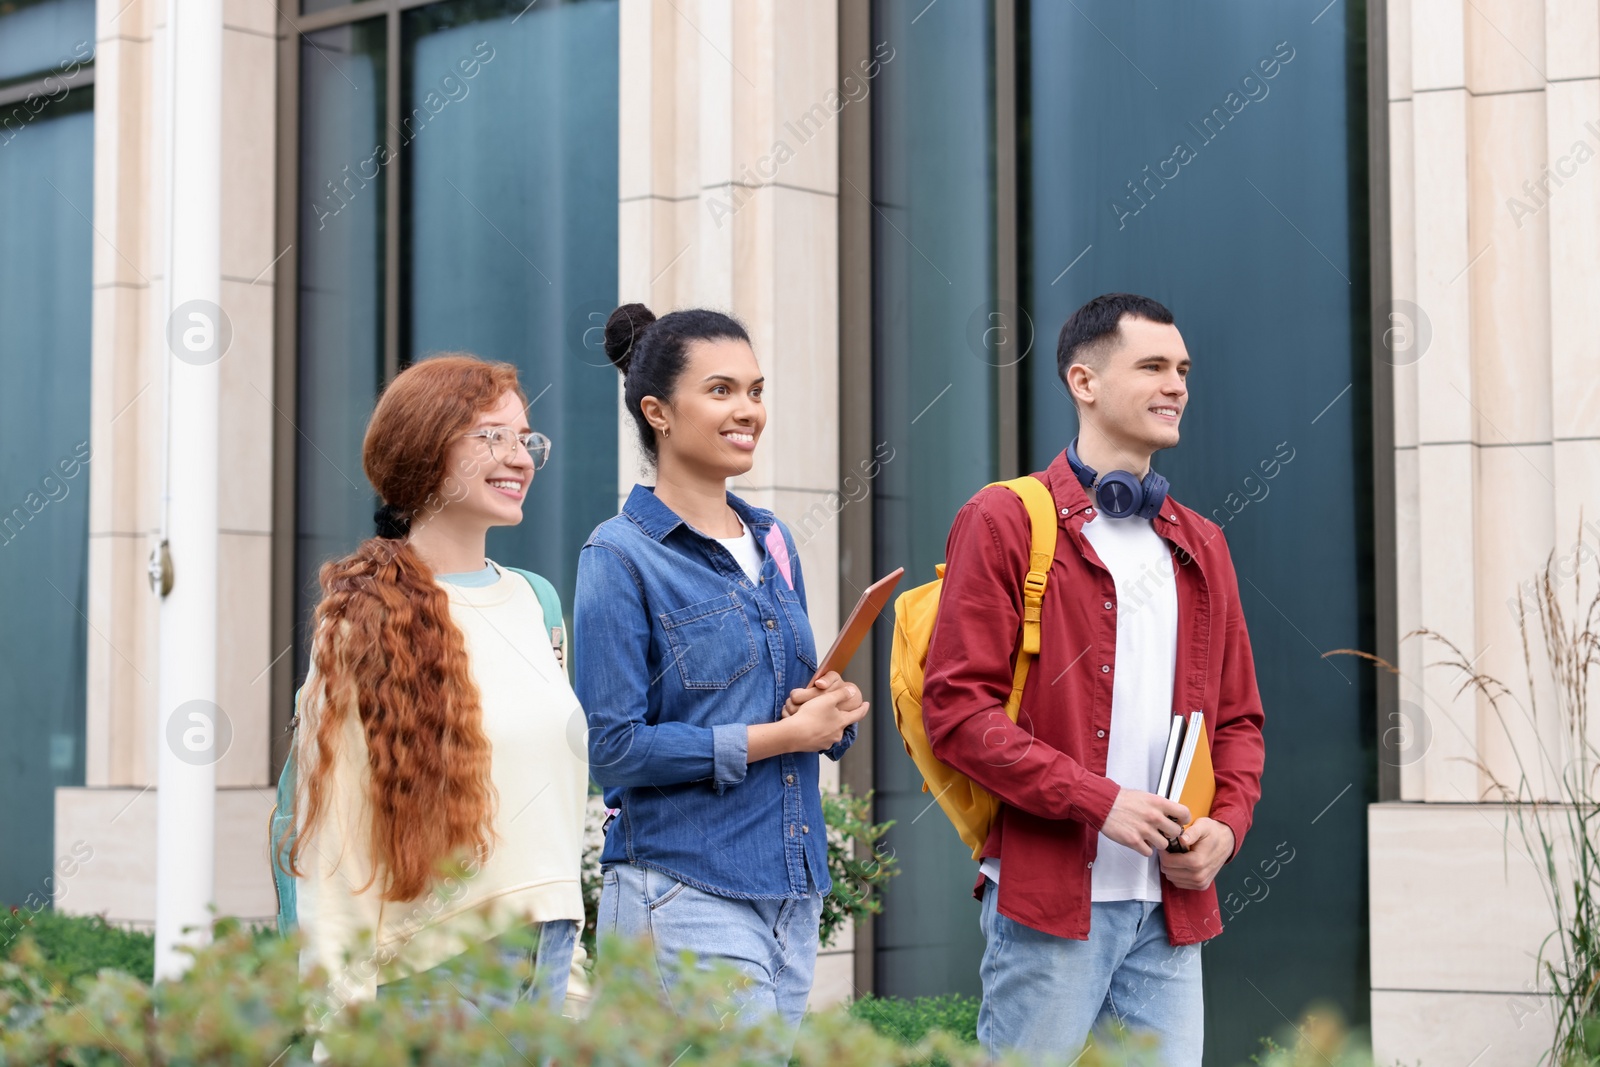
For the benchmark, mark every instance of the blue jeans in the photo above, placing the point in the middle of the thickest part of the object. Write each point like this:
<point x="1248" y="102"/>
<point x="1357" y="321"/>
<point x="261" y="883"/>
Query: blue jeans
<point x="1043" y="994"/>
<point x="552" y="962"/>
<point x="772" y="942"/>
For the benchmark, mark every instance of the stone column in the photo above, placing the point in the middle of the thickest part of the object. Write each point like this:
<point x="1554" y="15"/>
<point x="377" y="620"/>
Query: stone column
<point x="1494" y="116"/>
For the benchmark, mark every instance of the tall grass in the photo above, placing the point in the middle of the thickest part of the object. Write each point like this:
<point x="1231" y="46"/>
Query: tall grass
<point x="1554" y="798"/>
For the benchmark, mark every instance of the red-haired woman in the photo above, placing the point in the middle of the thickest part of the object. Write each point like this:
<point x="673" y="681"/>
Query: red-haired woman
<point x="439" y="801"/>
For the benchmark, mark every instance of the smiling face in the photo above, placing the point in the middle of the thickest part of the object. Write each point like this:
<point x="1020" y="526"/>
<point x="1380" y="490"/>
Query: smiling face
<point x="716" y="413"/>
<point x="482" y="487"/>
<point x="1135" y="392"/>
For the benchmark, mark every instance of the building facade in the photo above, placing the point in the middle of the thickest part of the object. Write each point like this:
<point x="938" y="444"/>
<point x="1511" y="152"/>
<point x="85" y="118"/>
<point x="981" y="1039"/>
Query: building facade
<point x="1375" y="224"/>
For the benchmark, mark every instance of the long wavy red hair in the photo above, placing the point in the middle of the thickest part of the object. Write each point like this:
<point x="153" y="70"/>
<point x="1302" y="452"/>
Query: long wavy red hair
<point x="385" y="645"/>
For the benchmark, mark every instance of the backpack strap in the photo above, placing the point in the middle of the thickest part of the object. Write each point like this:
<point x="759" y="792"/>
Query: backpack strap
<point x="550" y="602"/>
<point x="282" y="833"/>
<point x="1041" y="553"/>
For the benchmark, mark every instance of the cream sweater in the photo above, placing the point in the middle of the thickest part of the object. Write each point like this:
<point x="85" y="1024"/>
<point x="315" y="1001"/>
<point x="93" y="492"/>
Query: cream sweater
<point x="531" y="874"/>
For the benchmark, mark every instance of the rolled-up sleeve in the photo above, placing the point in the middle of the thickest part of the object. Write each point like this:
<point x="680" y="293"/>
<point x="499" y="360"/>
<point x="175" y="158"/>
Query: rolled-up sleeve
<point x="730" y="744"/>
<point x="611" y="647"/>
<point x="848" y="739"/>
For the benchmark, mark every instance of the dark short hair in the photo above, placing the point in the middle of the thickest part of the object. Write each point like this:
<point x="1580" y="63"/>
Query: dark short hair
<point x="1086" y="333"/>
<point x="651" y="353"/>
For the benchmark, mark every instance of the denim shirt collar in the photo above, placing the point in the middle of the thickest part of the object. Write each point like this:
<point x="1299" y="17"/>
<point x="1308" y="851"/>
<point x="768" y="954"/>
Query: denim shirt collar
<point x="657" y="520"/>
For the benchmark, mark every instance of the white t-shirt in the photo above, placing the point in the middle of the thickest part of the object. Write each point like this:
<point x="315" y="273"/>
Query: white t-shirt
<point x="1141" y="568"/>
<point x="748" y="553"/>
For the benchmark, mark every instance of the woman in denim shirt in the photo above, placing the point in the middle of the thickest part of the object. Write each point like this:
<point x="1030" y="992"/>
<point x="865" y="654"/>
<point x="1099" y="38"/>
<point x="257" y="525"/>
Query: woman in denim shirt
<point x="694" y="656"/>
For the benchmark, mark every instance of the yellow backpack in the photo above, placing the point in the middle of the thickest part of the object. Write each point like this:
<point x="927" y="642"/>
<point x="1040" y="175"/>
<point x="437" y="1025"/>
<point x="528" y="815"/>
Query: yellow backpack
<point x="968" y="805"/>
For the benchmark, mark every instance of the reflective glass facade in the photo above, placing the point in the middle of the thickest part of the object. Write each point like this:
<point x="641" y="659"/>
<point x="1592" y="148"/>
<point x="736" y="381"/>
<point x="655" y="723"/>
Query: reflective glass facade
<point x="934" y="396"/>
<point x="339" y="289"/>
<point x="1225" y="196"/>
<point x="510" y="230"/>
<point x="46" y="201"/>
<point x="40" y="37"/>
<point x="1186" y="155"/>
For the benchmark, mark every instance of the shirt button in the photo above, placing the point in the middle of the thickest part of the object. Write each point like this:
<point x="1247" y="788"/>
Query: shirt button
<point x="1066" y="511"/>
<point x="1105" y="668"/>
<point x="1090" y="863"/>
<point x="805" y="829"/>
<point x="1099" y="733"/>
<point x="789" y="779"/>
<point x="772" y="624"/>
<point x="1108" y="605"/>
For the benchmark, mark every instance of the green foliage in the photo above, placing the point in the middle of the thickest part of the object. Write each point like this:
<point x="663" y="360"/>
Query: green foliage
<point x="1319" y="1039"/>
<point x="909" y="1021"/>
<point x="858" y="861"/>
<point x="243" y="1002"/>
<point x="1585" y="1047"/>
<point x="73" y="946"/>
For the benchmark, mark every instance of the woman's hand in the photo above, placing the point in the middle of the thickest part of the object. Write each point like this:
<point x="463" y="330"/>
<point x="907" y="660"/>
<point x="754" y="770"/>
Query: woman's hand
<point x="820" y="713"/>
<point x="814" y="719"/>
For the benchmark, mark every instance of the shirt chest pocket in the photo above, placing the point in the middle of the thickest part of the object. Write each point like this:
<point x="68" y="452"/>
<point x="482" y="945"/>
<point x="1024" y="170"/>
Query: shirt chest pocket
<point x="710" y="642"/>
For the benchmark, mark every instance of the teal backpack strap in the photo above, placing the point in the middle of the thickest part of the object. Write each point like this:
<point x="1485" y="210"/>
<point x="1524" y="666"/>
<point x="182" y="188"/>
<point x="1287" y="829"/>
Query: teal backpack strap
<point x="281" y="837"/>
<point x="550" y="601"/>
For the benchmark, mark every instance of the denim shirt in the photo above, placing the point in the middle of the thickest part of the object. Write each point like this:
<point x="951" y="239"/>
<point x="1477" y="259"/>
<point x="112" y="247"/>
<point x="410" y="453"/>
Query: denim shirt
<point x="677" y="654"/>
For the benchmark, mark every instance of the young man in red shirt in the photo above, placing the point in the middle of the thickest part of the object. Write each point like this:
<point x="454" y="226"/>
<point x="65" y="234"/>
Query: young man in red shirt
<point x="1086" y="916"/>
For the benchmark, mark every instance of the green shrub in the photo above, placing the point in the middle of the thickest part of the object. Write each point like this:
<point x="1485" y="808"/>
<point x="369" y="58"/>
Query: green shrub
<point x="909" y="1021"/>
<point x="74" y="990"/>
<point x="858" y="861"/>
<point x="73" y="946"/>
<point x="243" y="1002"/>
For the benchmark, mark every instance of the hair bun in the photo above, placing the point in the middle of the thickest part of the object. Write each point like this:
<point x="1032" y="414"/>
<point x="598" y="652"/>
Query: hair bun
<point x="622" y="330"/>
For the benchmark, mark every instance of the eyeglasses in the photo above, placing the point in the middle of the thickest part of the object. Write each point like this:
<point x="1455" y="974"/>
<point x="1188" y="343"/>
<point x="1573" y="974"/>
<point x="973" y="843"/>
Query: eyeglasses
<point x="503" y="444"/>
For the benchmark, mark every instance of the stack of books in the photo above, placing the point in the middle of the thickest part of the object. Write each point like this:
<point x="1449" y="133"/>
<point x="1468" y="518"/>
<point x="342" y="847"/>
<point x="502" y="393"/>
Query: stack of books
<point x="1186" y="772"/>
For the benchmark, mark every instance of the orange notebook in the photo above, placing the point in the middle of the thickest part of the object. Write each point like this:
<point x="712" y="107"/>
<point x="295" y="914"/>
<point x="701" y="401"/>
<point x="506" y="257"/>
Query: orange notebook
<point x="1187" y="776"/>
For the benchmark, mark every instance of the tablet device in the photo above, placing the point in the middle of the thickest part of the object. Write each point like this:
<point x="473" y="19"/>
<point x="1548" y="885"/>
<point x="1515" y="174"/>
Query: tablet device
<point x="859" y="624"/>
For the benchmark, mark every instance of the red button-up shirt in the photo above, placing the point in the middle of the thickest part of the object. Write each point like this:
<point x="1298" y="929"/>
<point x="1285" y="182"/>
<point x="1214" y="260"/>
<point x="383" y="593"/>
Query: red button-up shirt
<point x="1048" y="768"/>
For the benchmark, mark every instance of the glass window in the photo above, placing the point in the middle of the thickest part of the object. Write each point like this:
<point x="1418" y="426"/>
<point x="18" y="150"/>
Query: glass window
<point x="511" y="235"/>
<point x="340" y="291"/>
<point x="47" y="197"/>
<point x="506" y="139"/>
<point x="1235" y="195"/>
<point x="934" y="395"/>
<point x="41" y="37"/>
